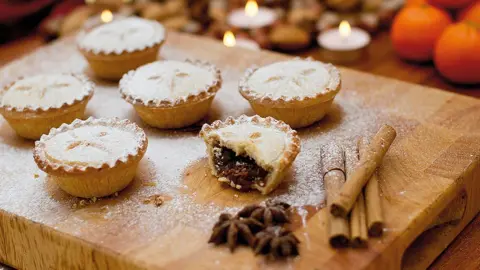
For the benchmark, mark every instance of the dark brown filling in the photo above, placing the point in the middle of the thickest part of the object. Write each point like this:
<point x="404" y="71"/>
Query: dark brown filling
<point x="242" y="171"/>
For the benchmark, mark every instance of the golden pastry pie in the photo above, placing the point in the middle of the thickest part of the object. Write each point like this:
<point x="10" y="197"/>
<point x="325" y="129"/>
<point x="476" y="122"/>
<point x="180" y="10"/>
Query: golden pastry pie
<point x="298" y="92"/>
<point x="250" y="152"/>
<point x="114" y="48"/>
<point x="34" y="105"/>
<point x="171" y="94"/>
<point x="92" y="158"/>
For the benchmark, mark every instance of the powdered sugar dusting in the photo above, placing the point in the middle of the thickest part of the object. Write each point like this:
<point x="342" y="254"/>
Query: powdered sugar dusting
<point x="129" y="34"/>
<point x="125" y="222"/>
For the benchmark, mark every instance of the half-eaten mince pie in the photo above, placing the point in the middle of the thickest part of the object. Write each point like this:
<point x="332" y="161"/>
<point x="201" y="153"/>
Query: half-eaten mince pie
<point x="92" y="158"/>
<point x="250" y="152"/>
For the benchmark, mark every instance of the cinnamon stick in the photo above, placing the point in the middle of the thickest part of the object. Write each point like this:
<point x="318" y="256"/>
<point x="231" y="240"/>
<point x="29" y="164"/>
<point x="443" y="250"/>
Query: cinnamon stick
<point x="372" y="199"/>
<point x="374" y="154"/>
<point x="333" y="163"/>
<point x="358" y="217"/>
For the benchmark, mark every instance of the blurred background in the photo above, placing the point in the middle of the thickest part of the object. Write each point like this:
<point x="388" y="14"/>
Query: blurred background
<point x="430" y="42"/>
<point x="437" y="39"/>
<point x="295" y="26"/>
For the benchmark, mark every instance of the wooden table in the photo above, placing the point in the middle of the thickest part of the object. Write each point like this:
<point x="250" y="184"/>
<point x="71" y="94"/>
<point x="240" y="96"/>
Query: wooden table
<point x="463" y="252"/>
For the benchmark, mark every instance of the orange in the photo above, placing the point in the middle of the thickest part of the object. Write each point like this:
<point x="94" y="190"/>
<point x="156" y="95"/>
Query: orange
<point x="470" y="13"/>
<point x="416" y="29"/>
<point x="453" y="4"/>
<point x="457" y="53"/>
<point x="415" y="2"/>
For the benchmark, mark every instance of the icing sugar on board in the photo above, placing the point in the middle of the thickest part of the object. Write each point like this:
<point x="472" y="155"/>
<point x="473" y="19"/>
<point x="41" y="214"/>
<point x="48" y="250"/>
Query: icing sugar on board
<point x="435" y="157"/>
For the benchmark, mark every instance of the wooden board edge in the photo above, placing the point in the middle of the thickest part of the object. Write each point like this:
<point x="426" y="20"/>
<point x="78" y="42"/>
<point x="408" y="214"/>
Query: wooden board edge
<point x="418" y="247"/>
<point x="25" y="244"/>
<point x="425" y="248"/>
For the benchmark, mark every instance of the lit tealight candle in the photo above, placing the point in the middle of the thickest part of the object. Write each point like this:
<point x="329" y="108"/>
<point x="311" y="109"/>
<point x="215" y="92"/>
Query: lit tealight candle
<point x="229" y="40"/>
<point x="344" y="44"/>
<point x="106" y="16"/>
<point x="252" y="16"/>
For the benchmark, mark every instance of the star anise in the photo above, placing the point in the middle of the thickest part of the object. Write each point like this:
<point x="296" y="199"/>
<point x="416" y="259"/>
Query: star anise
<point x="235" y="230"/>
<point x="277" y="242"/>
<point x="271" y="214"/>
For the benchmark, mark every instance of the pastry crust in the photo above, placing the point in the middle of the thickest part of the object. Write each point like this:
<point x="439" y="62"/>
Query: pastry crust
<point x="297" y="111"/>
<point x="201" y="94"/>
<point x="113" y="67"/>
<point x="112" y="62"/>
<point x="87" y="93"/>
<point x="276" y="168"/>
<point x="33" y="120"/>
<point x="92" y="180"/>
<point x="174" y="112"/>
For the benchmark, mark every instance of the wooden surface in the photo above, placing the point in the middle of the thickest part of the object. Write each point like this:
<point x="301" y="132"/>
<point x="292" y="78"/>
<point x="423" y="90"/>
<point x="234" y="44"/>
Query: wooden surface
<point x="435" y="157"/>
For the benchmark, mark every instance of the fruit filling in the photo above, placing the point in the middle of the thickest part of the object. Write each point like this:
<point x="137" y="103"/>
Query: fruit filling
<point x="242" y="171"/>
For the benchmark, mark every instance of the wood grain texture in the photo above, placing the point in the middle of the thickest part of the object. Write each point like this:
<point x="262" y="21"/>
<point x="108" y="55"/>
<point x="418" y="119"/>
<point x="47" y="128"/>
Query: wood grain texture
<point x="434" y="159"/>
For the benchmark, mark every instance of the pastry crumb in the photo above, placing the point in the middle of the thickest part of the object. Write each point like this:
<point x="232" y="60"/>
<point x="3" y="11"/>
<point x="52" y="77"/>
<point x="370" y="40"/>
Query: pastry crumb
<point x="85" y="202"/>
<point x="150" y="184"/>
<point x="35" y="175"/>
<point x="156" y="200"/>
<point x="255" y="135"/>
<point x="116" y="194"/>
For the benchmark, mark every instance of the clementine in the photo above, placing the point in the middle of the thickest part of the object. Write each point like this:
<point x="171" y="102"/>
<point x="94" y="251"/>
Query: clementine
<point x="457" y="53"/>
<point x="470" y="13"/>
<point x="453" y="4"/>
<point x="416" y="29"/>
<point x="415" y="2"/>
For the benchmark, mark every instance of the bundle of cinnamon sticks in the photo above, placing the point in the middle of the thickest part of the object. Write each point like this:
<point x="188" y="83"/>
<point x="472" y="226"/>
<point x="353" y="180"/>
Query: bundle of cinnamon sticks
<point x="353" y="194"/>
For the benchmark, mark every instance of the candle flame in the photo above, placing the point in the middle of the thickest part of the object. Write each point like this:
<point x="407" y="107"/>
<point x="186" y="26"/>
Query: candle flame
<point x="251" y="8"/>
<point x="229" y="39"/>
<point x="106" y="16"/>
<point x="344" y="29"/>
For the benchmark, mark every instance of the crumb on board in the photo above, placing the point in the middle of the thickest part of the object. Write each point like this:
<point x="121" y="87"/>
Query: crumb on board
<point x="85" y="202"/>
<point x="150" y="184"/>
<point x="35" y="175"/>
<point x="156" y="200"/>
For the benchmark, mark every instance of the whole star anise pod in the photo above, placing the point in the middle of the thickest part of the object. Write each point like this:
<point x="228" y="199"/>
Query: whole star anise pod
<point x="277" y="242"/>
<point x="234" y="231"/>
<point x="271" y="214"/>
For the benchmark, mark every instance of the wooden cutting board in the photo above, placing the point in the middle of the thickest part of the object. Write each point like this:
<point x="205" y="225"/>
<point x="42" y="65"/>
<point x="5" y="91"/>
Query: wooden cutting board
<point x="430" y="176"/>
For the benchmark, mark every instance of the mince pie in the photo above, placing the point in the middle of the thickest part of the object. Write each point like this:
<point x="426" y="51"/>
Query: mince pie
<point x="171" y="94"/>
<point x="298" y="92"/>
<point x="114" y="48"/>
<point x="33" y="105"/>
<point x="250" y="152"/>
<point x="92" y="158"/>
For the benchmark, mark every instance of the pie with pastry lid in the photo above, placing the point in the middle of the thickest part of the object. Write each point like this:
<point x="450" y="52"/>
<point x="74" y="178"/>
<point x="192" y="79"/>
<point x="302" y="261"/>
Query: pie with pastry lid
<point x="298" y="91"/>
<point x="171" y="94"/>
<point x="250" y="152"/>
<point x="33" y="105"/>
<point x="114" y="48"/>
<point x="92" y="158"/>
